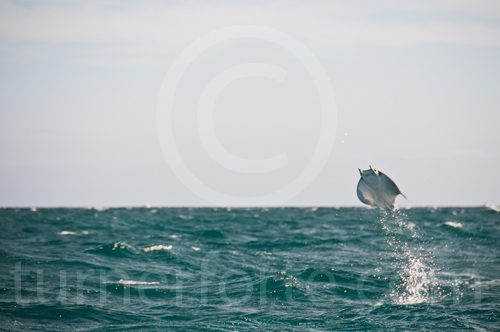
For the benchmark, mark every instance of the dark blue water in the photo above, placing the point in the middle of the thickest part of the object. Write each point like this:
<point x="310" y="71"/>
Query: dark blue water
<point x="293" y="269"/>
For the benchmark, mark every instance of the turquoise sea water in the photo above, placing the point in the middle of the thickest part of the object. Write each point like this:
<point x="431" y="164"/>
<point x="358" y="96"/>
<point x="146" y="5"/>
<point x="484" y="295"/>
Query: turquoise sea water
<point x="290" y="269"/>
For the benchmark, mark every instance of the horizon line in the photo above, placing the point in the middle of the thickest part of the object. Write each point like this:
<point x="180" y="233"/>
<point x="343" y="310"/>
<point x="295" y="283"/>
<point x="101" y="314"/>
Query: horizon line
<point x="147" y="206"/>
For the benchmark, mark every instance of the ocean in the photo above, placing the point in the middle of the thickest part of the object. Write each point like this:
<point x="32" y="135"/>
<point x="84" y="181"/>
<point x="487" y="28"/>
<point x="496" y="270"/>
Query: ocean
<point x="264" y="269"/>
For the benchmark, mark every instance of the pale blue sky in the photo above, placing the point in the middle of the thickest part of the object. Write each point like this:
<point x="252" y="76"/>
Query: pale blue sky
<point x="416" y="86"/>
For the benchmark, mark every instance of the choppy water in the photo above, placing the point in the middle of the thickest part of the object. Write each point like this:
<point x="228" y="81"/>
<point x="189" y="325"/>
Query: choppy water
<point x="207" y="269"/>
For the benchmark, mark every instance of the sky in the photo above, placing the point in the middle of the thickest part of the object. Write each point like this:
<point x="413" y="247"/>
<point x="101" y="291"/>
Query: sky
<point x="232" y="103"/>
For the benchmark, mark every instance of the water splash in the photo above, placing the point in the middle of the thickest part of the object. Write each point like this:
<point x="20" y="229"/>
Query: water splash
<point x="416" y="279"/>
<point x="415" y="269"/>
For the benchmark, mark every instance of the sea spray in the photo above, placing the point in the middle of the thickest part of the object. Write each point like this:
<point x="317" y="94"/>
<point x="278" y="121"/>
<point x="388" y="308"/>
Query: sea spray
<point x="415" y="270"/>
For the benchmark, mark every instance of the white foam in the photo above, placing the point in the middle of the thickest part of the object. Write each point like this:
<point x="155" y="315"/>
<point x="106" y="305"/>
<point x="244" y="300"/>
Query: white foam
<point x="121" y="245"/>
<point x="492" y="207"/>
<point x="158" y="247"/>
<point x="494" y="282"/>
<point x="453" y="224"/>
<point x="73" y="233"/>
<point x="67" y="233"/>
<point x="133" y="282"/>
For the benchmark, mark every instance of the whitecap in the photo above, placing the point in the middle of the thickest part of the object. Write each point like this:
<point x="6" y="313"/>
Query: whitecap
<point x="133" y="282"/>
<point x="492" y="207"/>
<point x="453" y="224"/>
<point x="158" y="247"/>
<point x="195" y="248"/>
<point x="73" y="233"/>
<point x="121" y="245"/>
<point x="67" y="233"/>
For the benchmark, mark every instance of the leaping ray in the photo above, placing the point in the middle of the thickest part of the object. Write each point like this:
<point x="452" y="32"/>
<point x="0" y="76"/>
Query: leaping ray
<point x="377" y="189"/>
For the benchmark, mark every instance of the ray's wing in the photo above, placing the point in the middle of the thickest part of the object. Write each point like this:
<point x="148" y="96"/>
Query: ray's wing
<point x="389" y="186"/>
<point x="364" y="193"/>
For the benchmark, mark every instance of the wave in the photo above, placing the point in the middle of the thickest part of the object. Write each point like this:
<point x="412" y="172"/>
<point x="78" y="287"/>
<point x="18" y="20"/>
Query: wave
<point x="73" y="233"/>
<point x="115" y="249"/>
<point x="453" y="224"/>
<point x="492" y="207"/>
<point x="157" y="248"/>
<point x="134" y="282"/>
